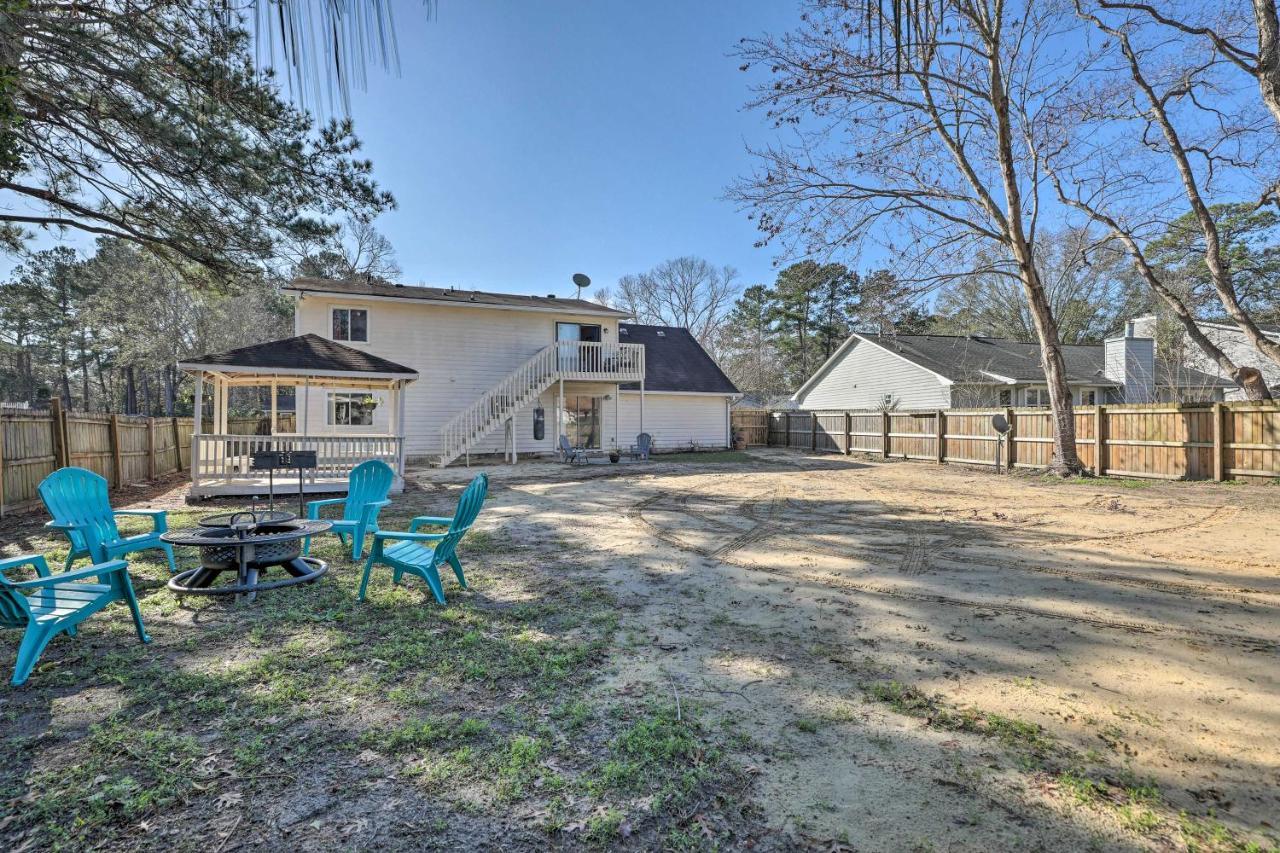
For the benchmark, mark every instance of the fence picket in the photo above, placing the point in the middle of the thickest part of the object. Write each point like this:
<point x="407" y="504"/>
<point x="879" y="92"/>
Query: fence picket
<point x="1159" y="441"/>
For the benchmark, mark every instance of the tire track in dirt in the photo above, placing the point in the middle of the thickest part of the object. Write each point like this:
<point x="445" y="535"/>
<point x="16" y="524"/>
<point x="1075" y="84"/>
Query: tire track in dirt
<point x="724" y="554"/>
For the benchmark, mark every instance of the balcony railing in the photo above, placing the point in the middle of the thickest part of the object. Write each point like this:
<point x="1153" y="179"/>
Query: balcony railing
<point x="606" y="362"/>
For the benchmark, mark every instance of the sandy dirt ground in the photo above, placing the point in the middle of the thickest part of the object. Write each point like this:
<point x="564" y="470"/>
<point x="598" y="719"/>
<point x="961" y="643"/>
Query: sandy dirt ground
<point x="1120" y="639"/>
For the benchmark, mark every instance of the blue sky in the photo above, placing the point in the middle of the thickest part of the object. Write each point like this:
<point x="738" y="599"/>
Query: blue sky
<point x="528" y="141"/>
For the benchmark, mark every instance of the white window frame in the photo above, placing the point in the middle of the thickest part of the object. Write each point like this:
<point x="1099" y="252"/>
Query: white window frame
<point x="1092" y="392"/>
<point x="1041" y="398"/>
<point x="331" y="408"/>
<point x="334" y="309"/>
<point x="1004" y="397"/>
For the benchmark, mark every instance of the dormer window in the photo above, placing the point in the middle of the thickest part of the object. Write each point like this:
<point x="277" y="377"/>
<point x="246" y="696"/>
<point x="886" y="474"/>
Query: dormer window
<point x="350" y="324"/>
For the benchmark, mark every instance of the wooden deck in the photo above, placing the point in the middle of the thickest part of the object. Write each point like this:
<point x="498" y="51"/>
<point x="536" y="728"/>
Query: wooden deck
<point x="285" y="487"/>
<point x="222" y="465"/>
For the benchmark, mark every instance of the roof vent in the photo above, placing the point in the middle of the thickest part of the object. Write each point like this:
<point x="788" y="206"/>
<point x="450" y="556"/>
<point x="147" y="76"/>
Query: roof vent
<point x="661" y="334"/>
<point x="551" y="296"/>
<point x="623" y="330"/>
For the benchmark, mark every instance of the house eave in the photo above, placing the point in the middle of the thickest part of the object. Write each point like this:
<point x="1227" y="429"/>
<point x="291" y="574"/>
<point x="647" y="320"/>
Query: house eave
<point x="453" y="303"/>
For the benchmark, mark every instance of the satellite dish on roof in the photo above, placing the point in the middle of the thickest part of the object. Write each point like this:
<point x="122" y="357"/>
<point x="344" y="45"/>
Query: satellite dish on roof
<point x="999" y="424"/>
<point x="580" y="281"/>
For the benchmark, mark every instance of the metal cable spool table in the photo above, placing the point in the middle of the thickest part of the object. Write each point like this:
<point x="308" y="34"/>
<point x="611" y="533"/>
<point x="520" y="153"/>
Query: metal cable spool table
<point x="249" y="547"/>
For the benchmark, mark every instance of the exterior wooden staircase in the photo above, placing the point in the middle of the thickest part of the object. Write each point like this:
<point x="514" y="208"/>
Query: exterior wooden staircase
<point x="564" y="360"/>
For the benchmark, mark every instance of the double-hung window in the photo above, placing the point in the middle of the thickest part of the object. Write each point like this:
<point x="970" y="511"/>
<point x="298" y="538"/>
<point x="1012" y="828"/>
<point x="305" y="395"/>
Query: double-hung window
<point x="350" y="324"/>
<point x="1038" y="397"/>
<point x="347" y="409"/>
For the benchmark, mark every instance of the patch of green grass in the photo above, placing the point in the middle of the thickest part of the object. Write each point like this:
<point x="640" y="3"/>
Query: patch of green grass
<point x="704" y="456"/>
<point x="1081" y="787"/>
<point x="808" y="725"/>
<point x="603" y="828"/>
<point x="909" y="700"/>
<point x="517" y="766"/>
<point x="1122" y="482"/>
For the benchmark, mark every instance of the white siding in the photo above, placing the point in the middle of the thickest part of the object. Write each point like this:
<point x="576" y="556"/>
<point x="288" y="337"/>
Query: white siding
<point x="865" y="373"/>
<point x="675" y="420"/>
<point x="459" y="353"/>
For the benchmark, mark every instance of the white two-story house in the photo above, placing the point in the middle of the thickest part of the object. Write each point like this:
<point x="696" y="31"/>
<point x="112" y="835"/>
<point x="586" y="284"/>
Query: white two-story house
<point x="424" y="374"/>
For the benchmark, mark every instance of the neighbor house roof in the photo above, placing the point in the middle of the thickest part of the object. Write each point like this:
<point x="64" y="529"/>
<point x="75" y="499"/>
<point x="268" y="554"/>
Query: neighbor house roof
<point x="310" y="354"/>
<point x="976" y="359"/>
<point x="375" y="289"/>
<point x="674" y="361"/>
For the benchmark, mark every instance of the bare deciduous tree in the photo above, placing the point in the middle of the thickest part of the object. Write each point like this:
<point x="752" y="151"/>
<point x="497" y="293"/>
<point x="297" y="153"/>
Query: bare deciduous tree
<point x="1157" y="128"/>
<point x="357" y="250"/>
<point x="688" y="292"/>
<point x="927" y="146"/>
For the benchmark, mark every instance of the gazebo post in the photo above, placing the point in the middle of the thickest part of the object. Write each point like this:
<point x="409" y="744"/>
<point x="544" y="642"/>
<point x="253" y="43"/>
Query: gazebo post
<point x="274" y="385"/>
<point x="197" y="427"/>
<point x="400" y="426"/>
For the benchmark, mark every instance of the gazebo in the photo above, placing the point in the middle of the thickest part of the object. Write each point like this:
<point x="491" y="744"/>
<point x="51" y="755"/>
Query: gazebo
<point x="349" y="407"/>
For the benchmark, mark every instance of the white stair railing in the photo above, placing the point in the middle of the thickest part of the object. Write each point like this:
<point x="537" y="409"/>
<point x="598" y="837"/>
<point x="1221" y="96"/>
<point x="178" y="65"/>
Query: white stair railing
<point x="587" y="360"/>
<point x="500" y="402"/>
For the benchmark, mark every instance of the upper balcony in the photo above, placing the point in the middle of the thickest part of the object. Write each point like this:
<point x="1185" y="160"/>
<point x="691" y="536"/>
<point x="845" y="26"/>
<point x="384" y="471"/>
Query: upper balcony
<point x="594" y="361"/>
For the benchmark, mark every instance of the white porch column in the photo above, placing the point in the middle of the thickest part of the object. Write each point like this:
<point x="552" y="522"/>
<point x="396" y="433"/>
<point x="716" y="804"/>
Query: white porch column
<point x="274" y="394"/>
<point x="400" y="426"/>
<point x="559" y="415"/>
<point x="198" y="413"/>
<point x="306" y="404"/>
<point x="617" y="418"/>
<point x="641" y="405"/>
<point x="196" y="428"/>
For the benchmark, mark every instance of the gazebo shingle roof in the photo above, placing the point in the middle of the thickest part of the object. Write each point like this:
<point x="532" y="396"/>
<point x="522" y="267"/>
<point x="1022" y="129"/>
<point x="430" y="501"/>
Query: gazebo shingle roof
<point x="302" y="353"/>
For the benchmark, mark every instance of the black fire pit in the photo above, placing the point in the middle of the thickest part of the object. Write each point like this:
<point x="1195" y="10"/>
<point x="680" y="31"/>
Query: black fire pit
<point x="248" y="544"/>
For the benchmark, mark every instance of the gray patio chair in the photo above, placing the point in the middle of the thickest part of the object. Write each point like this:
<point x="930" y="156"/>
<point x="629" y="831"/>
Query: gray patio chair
<point x="640" y="450"/>
<point x="569" y="453"/>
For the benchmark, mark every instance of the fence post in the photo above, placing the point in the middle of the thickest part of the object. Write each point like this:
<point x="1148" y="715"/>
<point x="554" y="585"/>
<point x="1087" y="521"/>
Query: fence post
<point x="1219" y="444"/>
<point x="813" y="432"/>
<point x="786" y="438"/>
<point x="1100" y="440"/>
<point x="1010" y="455"/>
<point x="1" y="465"/>
<point x="884" y="434"/>
<point x="848" y="433"/>
<point x="940" y="429"/>
<point x="117" y="458"/>
<point x="57" y="422"/>
<point x="151" y="448"/>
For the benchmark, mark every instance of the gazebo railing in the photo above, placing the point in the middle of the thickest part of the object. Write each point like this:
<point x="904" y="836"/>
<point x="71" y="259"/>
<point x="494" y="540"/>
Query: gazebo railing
<point x="224" y="457"/>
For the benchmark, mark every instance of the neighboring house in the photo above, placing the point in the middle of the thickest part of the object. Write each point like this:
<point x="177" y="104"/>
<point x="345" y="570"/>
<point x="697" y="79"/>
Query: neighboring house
<point x="491" y="360"/>
<point x="770" y="402"/>
<point x="1228" y="337"/>
<point x="945" y="371"/>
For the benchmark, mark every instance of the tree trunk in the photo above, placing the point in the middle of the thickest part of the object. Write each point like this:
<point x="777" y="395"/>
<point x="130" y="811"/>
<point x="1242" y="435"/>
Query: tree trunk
<point x="130" y="392"/>
<point x="1065" y="460"/>
<point x="1268" y="54"/>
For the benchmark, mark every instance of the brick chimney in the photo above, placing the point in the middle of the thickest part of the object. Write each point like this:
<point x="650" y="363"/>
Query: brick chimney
<point x="1131" y="361"/>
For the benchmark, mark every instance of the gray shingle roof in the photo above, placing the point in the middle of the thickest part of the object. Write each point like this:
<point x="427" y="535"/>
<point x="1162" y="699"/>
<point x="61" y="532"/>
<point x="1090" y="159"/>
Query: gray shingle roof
<point x="474" y="298"/>
<point x="674" y="361"/>
<point x="973" y="358"/>
<point x="305" y="352"/>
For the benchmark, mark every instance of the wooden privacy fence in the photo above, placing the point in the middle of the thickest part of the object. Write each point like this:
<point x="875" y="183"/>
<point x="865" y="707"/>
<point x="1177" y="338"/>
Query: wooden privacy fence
<point x="122" y="448"/>
<point x="1165" y="441"/>
<point x="752" y="424"/>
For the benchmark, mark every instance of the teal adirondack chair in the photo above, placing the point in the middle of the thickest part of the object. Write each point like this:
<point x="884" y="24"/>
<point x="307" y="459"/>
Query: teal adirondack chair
<point x="77" y="499"/>
<point x="422" y="554"/>
<point x="367" y="490"/>
<point x="57" y="603"/>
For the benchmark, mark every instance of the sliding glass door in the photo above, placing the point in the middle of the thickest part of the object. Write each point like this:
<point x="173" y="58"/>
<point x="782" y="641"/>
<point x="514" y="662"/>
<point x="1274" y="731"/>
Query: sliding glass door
<point x="582" y="420"/>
